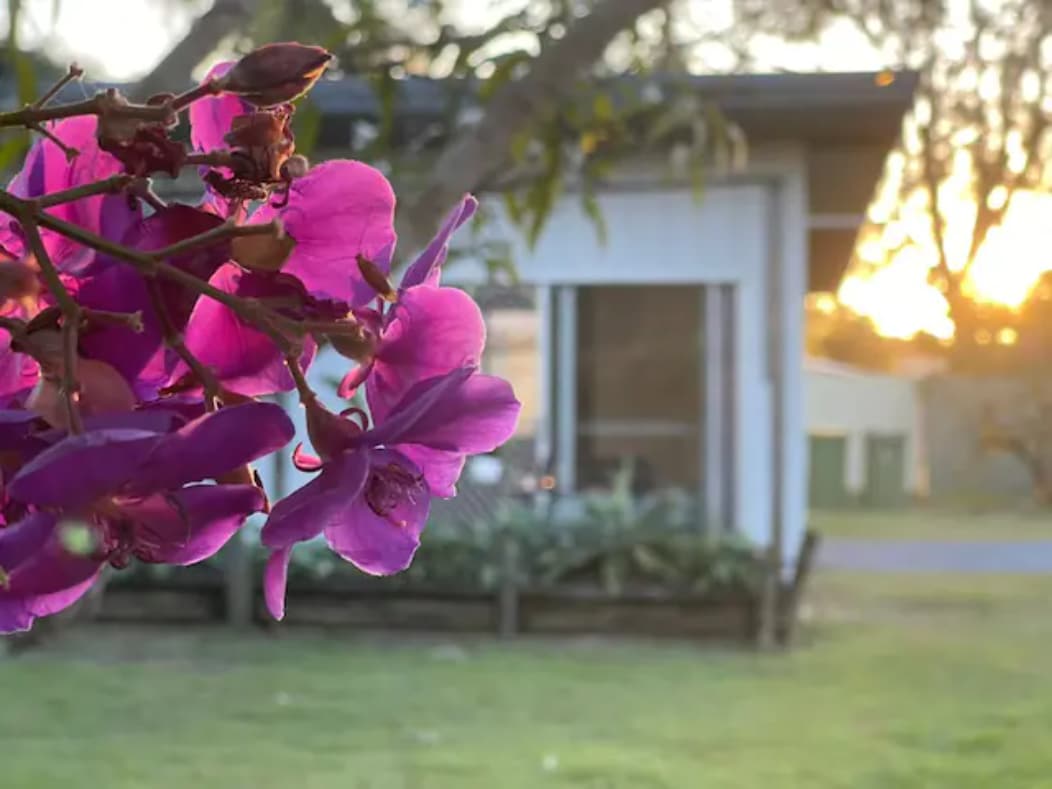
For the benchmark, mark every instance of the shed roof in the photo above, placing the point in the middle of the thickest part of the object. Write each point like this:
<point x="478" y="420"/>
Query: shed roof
<point x="861" y="107"/>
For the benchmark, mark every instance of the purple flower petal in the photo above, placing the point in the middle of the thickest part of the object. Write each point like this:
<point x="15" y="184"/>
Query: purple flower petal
<point x="321" y="502"/>
<point x="16" y="426"/>
<point x="15" y="616"/>
<point x="212" y="445"/>
<point x="441" y="469"/>
<point x="432" y="331"/>
<point x="425" y="269"/>
<point x="53" y="602"/>
<point x="349" y="383"/>
<point x="462" y="412"/>
<point x="19" y="541"/>
<point x="138" y="356"/>
<point x="379" y="531"/>
<point x="398" y="426"/>
<point x="275" y="579"/>
<point x="243" y="358"/>
<point x="142" y="357"/>
<point x="18" y="373"/>
<point x="46" y="581"/>
<point x="154" y="420"/>
<point x="83" y="468"/>
<point x="212" y="116"/>
<point x="172" y="224"/>
<point x="192" y="523"/>
<point x="337" y="211"/>
<point x="48" y="170"/>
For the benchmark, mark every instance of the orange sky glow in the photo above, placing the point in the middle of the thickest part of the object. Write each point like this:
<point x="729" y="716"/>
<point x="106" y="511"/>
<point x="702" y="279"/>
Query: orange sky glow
<point x="890" y="283"/>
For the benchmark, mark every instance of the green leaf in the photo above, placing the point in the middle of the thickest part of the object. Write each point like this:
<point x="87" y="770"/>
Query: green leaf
<point x="12" y="149"/>
<point x="603" y="108"/>
<point x="514" y="208"/>
<point x="590" y="204"/>
<point x="308" y="126"/>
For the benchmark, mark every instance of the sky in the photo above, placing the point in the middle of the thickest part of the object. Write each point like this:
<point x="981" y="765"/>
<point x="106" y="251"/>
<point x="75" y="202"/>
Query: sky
<point x="88" y="31"/>
<point x="113" y="39"/>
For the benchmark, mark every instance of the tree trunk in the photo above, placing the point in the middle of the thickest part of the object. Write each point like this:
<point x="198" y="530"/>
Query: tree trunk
<point x="474" y="156"/>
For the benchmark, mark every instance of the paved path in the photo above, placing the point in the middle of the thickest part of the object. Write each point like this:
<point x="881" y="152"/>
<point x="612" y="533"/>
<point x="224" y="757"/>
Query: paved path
<point x="918" y="556"/>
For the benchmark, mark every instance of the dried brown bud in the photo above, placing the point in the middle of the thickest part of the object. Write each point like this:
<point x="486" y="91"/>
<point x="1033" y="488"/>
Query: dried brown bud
<point x="276" y="73"/>
<point x="18" y="282"/>
<point x="103" y="390"/>
<point x="358" y="345"/>
<point x="262" y="252"/>
<point x="242" y="475"/>
<point x="295" y="167"/>
<point x="44" y="345"/>
<point x="376" y="279"/>
<point x="256" y="130"/>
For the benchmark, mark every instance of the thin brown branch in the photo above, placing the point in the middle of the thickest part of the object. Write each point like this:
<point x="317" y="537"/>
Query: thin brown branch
<point x="303" y="389"/>
<point x="129" y="320"/>
<point x="71" y="315"/>
<point x="174" y="340"/>
<point x="209" y="159"/>
<point x="68" y="385"/>
<point x="99" y="104"/>
<point x="280" y="329"/>
<point x="69" y="151"/>
<point x="210" y="88"/>
<point x="110" y="185"/>
<point x="72" y="73"/>
<point x="223" y="232"/>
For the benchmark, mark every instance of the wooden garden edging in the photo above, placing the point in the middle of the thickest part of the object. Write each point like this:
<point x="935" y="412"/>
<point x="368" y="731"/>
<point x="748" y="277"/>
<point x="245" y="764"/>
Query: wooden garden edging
<point x="507" y="611"/>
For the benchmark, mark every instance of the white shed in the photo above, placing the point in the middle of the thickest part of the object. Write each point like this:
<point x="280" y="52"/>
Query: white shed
<point x="678" y="343"/>
<point x="866" y="435"/>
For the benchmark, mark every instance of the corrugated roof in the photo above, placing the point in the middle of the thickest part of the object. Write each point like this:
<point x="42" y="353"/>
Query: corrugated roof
<point x="831" y="107"/>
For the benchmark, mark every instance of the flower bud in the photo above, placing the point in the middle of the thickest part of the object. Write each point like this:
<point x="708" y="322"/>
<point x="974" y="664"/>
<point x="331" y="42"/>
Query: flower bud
<point x="18" y="282"/>
<point x="358" y="346"/>
<point x="262" y="252"/>
<point x="256" y="130"/>
<point x="376" y="279"/>
<point x="329" y="433"/>
<point x="276" y="73"/>
<point x="295" y="167"/>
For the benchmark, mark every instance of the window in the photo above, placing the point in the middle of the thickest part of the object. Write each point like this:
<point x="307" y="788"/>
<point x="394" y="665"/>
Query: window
<point x="638" y="385"/>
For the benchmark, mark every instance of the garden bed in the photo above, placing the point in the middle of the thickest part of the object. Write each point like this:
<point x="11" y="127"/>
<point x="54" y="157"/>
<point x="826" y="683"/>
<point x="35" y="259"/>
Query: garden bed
<point x="611" y="574"/>
<point x="553" y="611"/>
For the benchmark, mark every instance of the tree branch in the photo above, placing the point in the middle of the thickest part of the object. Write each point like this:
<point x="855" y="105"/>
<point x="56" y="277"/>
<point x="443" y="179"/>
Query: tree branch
<point x="68" y="386"/>
<point x="475" y="155"/>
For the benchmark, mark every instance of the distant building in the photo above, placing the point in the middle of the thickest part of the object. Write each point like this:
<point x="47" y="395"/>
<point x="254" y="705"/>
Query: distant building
<point x="678" y="344"/>
<point x="866" y="436"/>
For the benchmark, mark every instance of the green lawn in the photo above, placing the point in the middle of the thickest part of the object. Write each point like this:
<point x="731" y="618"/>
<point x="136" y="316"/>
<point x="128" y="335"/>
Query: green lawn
<point x="934" y="524"/>
<point x="907" y="697"/>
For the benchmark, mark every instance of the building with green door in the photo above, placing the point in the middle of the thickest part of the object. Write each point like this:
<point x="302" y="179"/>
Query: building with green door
<point x="864" y="437"/>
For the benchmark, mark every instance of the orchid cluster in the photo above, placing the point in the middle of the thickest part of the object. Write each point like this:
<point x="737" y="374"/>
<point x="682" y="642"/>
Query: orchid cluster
<point x="138" y="337"/>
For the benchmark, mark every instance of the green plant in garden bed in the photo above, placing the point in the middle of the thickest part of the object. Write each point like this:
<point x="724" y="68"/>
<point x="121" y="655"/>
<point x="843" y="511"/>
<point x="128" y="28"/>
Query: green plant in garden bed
<point x="619" y="543"/>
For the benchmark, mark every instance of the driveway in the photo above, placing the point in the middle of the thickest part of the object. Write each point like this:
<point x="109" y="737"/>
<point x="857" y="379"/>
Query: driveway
<point x="924" y="556"/>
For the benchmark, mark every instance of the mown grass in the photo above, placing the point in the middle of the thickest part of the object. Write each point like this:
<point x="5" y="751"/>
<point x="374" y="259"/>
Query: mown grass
<point x="920" y="698"/>
<point x="934" y="524"/>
